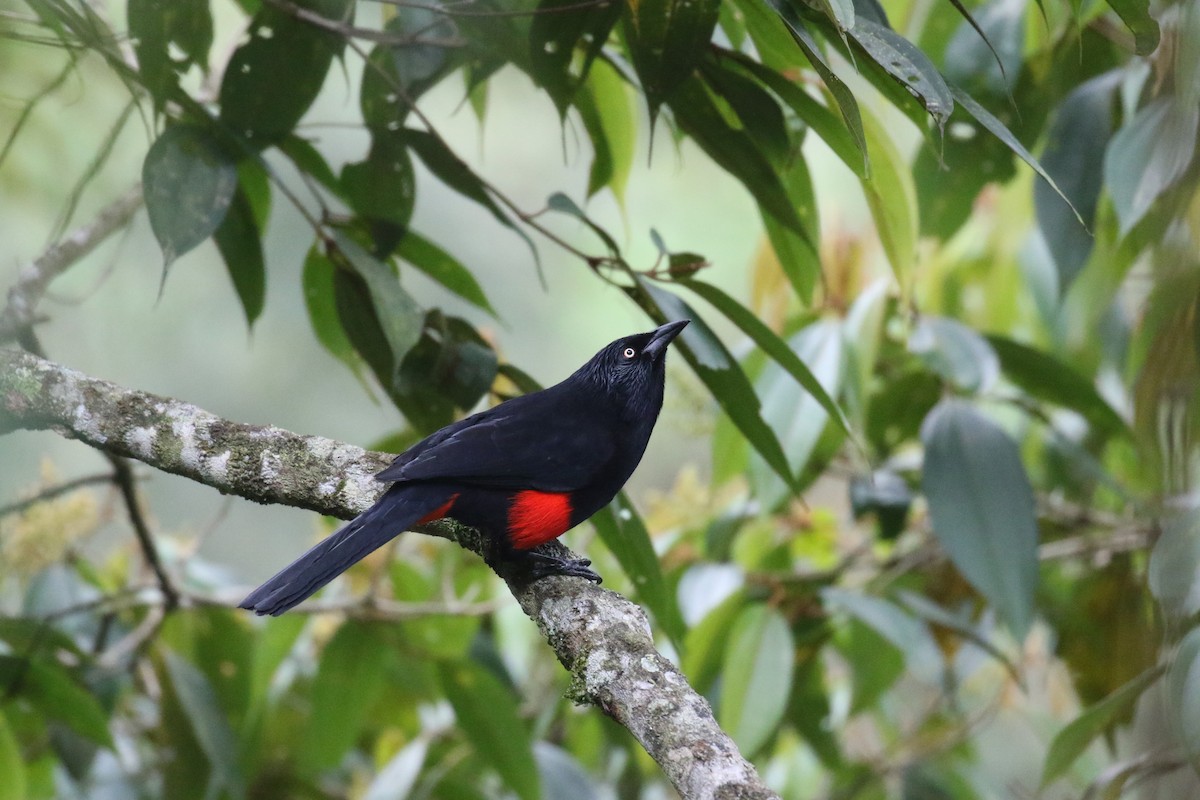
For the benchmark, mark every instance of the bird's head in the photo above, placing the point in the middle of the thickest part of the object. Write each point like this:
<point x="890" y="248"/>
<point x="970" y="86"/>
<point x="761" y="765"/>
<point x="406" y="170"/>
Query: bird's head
<point x="632" y="369"/>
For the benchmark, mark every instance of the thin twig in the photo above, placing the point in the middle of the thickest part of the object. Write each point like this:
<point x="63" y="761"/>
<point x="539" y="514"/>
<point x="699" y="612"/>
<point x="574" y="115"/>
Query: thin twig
<point x="53" y="492"/>
<point x="124" y="478"/>
<point x="367" y="34"/>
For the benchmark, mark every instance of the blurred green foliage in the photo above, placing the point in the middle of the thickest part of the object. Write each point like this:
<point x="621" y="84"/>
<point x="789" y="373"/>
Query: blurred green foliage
<point x="1001" y="377"/>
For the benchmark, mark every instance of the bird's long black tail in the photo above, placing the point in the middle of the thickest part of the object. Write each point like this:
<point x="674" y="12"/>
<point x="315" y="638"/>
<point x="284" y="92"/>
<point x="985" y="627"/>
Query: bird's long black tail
<point x="400" y="508"/>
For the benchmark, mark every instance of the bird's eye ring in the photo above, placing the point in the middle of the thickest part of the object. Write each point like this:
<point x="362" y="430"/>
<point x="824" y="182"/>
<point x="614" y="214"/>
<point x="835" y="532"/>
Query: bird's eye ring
<point x="630" y="352"/>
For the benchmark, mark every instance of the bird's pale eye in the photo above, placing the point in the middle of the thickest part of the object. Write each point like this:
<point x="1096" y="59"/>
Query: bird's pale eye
<point x="630" y="352"/>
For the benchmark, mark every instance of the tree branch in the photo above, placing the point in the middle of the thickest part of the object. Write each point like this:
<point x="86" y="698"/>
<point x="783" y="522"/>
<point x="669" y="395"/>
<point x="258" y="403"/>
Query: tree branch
<point x="600" y="637"/>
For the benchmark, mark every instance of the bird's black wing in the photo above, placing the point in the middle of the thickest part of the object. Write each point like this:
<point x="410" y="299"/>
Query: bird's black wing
<point x="552" y="441"/>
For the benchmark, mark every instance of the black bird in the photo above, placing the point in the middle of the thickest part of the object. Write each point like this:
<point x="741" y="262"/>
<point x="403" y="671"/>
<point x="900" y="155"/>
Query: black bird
<point x="523" y="472"/>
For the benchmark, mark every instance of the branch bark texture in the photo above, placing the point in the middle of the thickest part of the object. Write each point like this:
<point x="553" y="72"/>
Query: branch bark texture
<point x="603" y="639"/>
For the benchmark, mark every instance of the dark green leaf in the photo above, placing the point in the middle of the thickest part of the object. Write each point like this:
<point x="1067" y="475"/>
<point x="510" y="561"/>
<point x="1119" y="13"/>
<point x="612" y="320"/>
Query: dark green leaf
<point x="1072" y="740"/>
<point x="310" y="162"/>
<point x="350" y="678"/>
<point x="56" y="695"/>
<point x="908" y="634"/>
<point x="272" y="79"/>
<point x="558" y="28"/>
<point x="1075" y="143"/>
<point x="755" y="108"/>
<point x="734" y="150"/>
<point x="488" y="716"/>
<point x="666" y="40"/>
<point x="982" y="508"/>
<point x="1136" y="16"/>
<point x="719" y="371"/>
<point x="772" y="345"/>
<point x="397" y="315"/>
<point x="998" y="129"/>
<point x="382" y="189"/>
<point x="157" y="25"/>
<point x="757" y="677"/>
<point x="188" y="181"/>
<point x="957" y="353"/>
<point x="905" y="62"/>
<point x="448" y="370"/>
<point x="239" y="240"/>
<point x="607" y="112"/>
<point x="706" y="644"/>
<point x="623" y="532"/>
<point x="396" y="75"/>
<point x="317" y="279"/>
<point x="443" y="268"/>
<point x="1045" y="377"/>
<point x="984" y="54"/>
<point x="210" y="727"/>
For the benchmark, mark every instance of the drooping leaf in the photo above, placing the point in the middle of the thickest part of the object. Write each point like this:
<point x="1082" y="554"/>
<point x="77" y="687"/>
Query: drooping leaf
<point x="397" y="74"/>
<point x="273" y="78"/>
<point x="666" y="40"/>
<point x="317" y="280"/>
<point x="350" y="678"/>
<point x="188" y="182"/>
<point x="1073" y="740"/>
<point x="446" y="372"/>
<point x="157" y="29"/>
<point x="613" y="132"/>
<point x="718" y="370"/>
<point x="734" y="150"/>
<point x="382" y="189"/>
<point x="56" y="694"/>
<point x="931" y="611"/>
<point x="755" y="108"/>
<point x="624" y="533"/>
<point x="892" y="198"/>
<point x="310" y="162"/>
<point x="984" y="54"/>
<point x="393" y="310"/>
<point x="1046" y="377"/>
<point x="443" y="268"/>
<point x="982" y="508"/>
<point x="240" y="242"/>
<point x="907" y="64"/>
<point x="1174" y="570"/>
<point x="757" y="676"/>
<point x="557" y="30"/>
<point x="1075" y="143"/>
<point x="488" y="716"/>
<point x="1183" y="692"/>
<point x="12" y="764"/>
<point x="908" y="634"/>
<point x="1001" y="131"/>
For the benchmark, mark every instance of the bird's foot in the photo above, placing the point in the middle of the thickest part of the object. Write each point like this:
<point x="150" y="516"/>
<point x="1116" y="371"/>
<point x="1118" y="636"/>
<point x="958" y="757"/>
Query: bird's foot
<point x="542" y="565"/>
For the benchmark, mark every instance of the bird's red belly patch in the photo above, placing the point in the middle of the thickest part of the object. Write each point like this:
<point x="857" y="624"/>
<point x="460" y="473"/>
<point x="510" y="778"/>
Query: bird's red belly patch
<point x="537" y="517"/>
<point x="440" y="511"/>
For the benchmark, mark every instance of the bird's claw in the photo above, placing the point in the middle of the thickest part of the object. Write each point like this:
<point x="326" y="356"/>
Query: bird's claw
<point x="543" y="566"/>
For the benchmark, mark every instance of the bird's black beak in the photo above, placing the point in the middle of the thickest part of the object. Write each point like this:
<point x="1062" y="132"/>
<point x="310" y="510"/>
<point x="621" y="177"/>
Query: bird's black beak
<point x="662" y="337"/>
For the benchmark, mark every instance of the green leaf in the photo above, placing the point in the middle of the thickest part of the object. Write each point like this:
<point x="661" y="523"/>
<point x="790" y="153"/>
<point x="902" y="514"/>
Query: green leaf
<point x="1148" y="155"/>
<point x="1136" y="16"/>
<point x="239" y="240"/>
<point x="666" y="40"/>
<point x="1047" y="378"/>
<point x="1071" y="741"/>
<point x="210" y="727"/>
<point x="310" y="162"/>
<point x="1174" y="570"/>
<point x="706" y="641"/>
<point x="756" y="109"/>
<point x="772" y="345"/>
<point x="382" y="186"/>
<point x="982" y="508"/>
<point x="892" y="198"/>
<point x="349" y="681"/>
<point x="757" y="677"/>
<point x="1075" y="143"/>
<point x="12" y="764"/>
<point x="564" y="205"/>
<point x="984" y="54"/>
<point x="273" y="78"/>
<point x="718" y="370"/>
<point x="956" y="352"/>
<point x="443" y="268"/>
<point x="607" y="112"/>
<point x="557" y="30"/>
<point x="396" y="75"/>
<point x="1183" y="692"/>
<point x="734" y="150"/>
<point x="50" y="688"/>
<point x="488" y="716"/>
<point x="960" y="625"/>
<point x="391" y="308"/>
<point x="448" y="370"/>
<point x="157" y="25"/>
<point x="188" y="182"/>
<point x="905" y="62"/>
<point x="1001" y="131"/>
<point x="623" y="532"/>
<point x="317" y="279"/>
